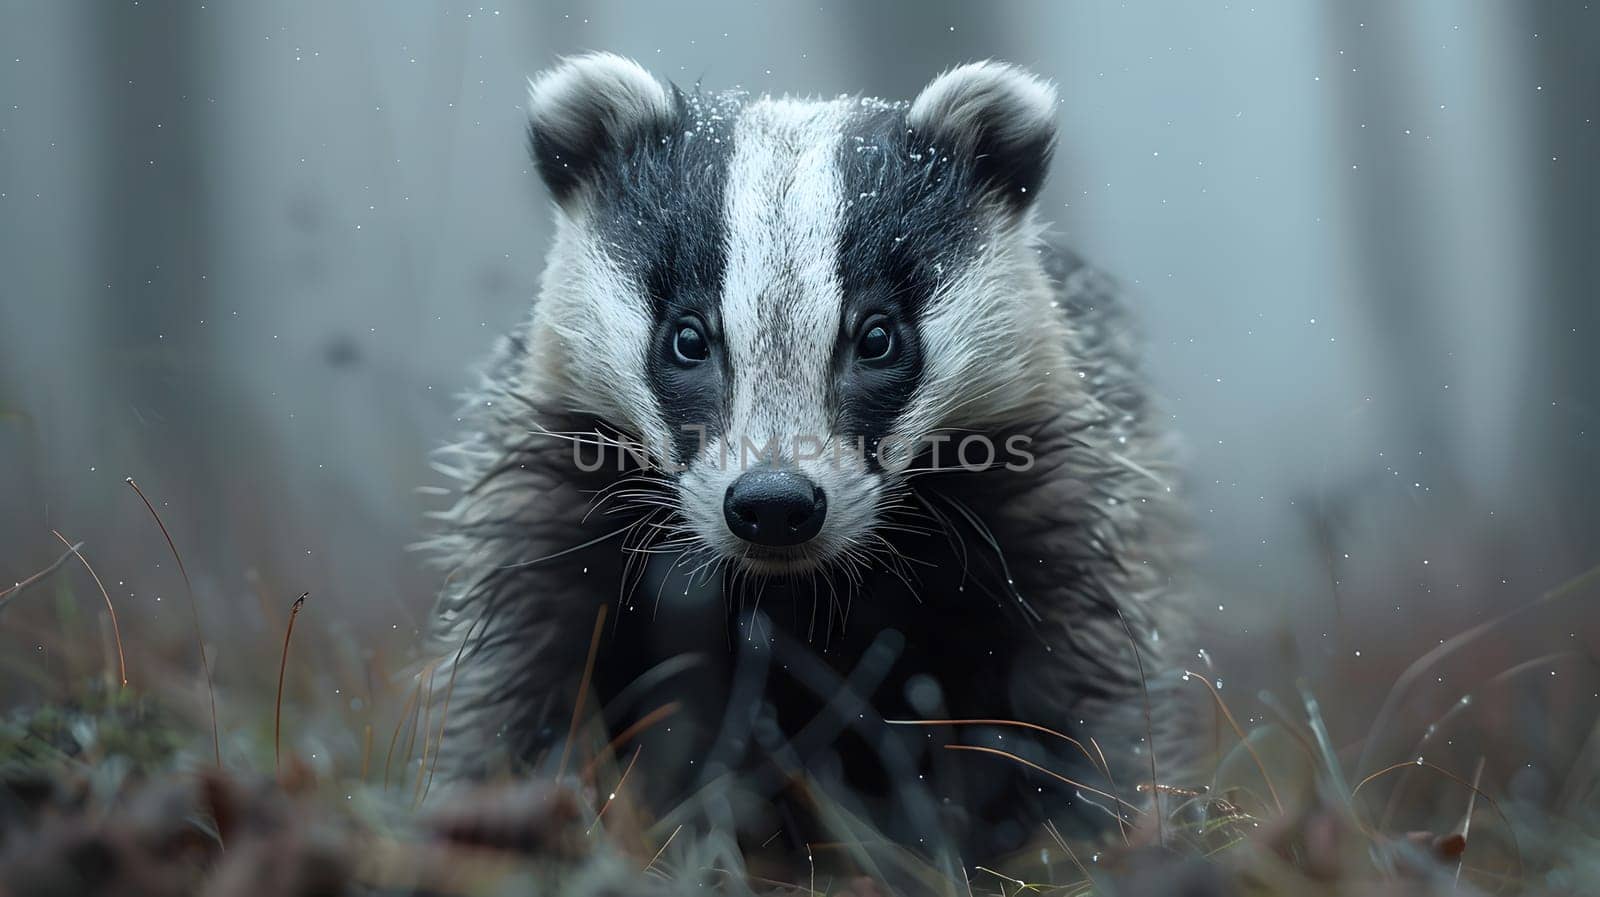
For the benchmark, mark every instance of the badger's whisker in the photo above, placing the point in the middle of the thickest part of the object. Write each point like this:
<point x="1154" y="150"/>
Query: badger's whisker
<point x="952" y="535"/>
<point x="566" y="551"/>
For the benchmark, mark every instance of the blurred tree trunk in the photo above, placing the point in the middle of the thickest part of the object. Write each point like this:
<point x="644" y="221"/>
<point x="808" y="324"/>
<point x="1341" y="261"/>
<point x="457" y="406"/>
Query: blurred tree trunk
<point x="146" y="351"/>
<point x="1560" y="417"/>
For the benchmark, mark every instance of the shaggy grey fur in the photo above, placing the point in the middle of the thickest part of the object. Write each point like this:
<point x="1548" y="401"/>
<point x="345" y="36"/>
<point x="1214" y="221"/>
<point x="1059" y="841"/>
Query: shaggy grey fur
<point x="1048" y="595"/>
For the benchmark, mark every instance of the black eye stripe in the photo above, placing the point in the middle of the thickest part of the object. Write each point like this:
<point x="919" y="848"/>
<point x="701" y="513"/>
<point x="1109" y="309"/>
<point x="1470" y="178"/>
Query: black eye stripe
<point x="912" y="217"/>
<point x="659" y="209"/>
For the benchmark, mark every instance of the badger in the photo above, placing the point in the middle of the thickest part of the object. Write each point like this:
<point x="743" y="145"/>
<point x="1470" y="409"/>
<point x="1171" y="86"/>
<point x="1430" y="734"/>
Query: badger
<point x="861" y="465"/>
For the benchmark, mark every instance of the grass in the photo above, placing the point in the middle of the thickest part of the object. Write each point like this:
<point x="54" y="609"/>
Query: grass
<point x="258" y="784"/>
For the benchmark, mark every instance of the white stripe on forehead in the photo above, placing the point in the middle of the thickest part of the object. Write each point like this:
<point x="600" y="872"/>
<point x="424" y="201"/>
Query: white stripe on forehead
<point x="781" y="296"/>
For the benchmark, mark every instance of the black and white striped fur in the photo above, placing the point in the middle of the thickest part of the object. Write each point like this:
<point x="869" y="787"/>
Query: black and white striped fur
<point x="780" y="224"/>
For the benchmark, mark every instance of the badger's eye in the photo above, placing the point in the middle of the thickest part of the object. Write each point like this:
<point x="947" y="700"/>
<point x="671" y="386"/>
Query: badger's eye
<point x="689" y="344"/>
<point x="876" y="344"/>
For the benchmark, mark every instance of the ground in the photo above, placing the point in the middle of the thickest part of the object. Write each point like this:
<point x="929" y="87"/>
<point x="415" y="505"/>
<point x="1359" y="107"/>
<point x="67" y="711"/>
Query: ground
<point x="136" y="767"/>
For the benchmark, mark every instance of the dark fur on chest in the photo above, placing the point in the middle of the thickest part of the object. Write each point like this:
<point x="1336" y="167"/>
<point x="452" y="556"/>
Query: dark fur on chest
<point x="832" y="687"/>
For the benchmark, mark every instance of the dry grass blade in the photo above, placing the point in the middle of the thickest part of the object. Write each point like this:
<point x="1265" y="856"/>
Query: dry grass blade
<point x="1055" y="833"/>
<point x="283" y="664"/>
<point x="1466" y="821"/>
<point x="449" y="692"/>
<point x="1021" y="885"/>
<point x="1149" y="725"/>
<point x="1421" y="665"/>
<point x="664" y="844"/>
<point x="194" y="610"/>
<point x="116" y="630"/>
<point x="406" y="714"/>
<point x="422" y="761"/>
<point x="1473" y="789"/>
<point x="644" y="722"/>
<point x="1015" y="723"/>
<point x="615" y="789"/>
<point x="1122" y="824"/>
<point x="419" y="721"/>
<point x="1049" y="772"/>
<point x="1099" y="764"/>
<point x="583" y="689"/>
<point x="1462" y="705"/>
<point x="1243" y="739"/>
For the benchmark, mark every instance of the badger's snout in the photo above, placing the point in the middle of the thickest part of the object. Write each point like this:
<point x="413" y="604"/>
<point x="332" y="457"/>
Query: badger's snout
<point x="776" y="508"/>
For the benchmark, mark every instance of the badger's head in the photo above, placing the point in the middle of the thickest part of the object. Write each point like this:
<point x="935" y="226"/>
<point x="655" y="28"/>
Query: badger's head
<point x="787" y="300"/>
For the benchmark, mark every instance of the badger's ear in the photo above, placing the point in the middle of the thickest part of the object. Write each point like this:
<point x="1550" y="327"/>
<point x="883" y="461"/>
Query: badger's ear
<point x="998" y="116"/>
<point x="586" y="110"/>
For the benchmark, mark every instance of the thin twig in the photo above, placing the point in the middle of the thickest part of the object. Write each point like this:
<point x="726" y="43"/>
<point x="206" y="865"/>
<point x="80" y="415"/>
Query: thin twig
<point x="10" y="594"/>
<point x="194" y="610"/>
<point x="283" y="664"/>
<point x="122" y="661"/>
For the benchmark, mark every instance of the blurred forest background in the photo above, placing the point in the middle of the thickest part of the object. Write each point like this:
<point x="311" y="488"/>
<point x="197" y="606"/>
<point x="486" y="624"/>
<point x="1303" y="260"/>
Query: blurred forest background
<point x="250" y="251"/>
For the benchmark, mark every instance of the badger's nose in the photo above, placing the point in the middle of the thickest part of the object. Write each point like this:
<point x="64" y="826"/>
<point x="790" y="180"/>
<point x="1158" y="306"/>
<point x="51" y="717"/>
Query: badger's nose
<point x="774" y="507"/>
